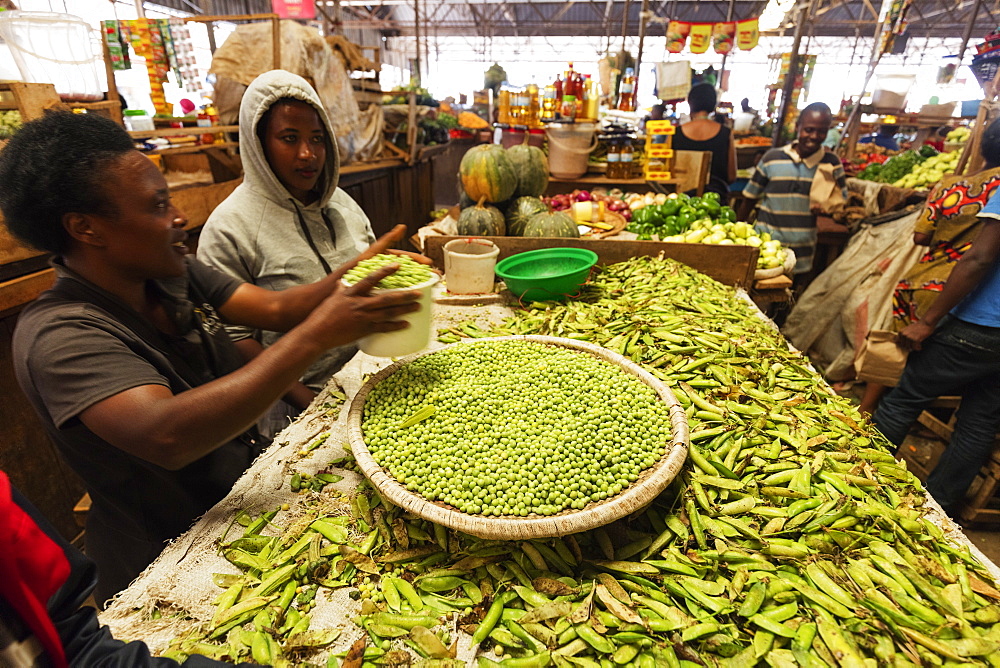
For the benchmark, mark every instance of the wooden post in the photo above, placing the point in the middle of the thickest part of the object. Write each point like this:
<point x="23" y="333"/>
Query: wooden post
<point x="642" y="37"/>
<point x="416" y="32"/>
<point x="116" y="107"/>
<point x="625" y="27"/>
<point x="276" y="41"/>
<point x="411" y="125"/>
<point x="210" y="27"/>
<point x="968" y="31"/>
<point x="849" y="141"/>
<point x="793" y="73"/>
<point x="725" y="56"/>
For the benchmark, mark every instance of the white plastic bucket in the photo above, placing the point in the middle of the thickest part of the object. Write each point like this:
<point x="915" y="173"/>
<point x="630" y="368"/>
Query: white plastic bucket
<point x="570" y="145"/>
<point x="469" y="265"/>
<point x="61" y="49"/>
<point x="414" y="338"/>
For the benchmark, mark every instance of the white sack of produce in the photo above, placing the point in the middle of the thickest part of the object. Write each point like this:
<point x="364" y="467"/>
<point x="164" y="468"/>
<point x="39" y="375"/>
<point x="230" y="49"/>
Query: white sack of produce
<point x="247" y="53"/>
<point x="852" y="296"/>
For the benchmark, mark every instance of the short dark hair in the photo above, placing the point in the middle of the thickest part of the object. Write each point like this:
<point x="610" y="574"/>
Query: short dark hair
<point x="888" y="129"/>
<point x="53" y="166"/>
<point x="990" y="143"/>
<point x="816" y="108"/>
<point x="702" y="98"/>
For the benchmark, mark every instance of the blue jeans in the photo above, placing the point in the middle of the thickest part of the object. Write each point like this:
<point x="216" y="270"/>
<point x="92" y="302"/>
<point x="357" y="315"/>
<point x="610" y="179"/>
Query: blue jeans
<point x="959" y="358"/>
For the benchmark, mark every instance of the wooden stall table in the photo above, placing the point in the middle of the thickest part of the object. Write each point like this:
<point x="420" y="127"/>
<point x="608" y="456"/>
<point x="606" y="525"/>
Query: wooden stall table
<point x="730" y="265"/>
<point x="592" y="180"/>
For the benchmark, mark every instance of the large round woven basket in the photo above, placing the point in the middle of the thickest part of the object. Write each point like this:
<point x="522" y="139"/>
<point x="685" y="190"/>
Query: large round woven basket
<point x="650" y="483"/>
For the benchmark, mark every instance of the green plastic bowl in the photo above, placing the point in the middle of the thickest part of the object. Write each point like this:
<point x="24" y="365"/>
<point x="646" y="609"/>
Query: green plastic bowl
<point x="546" y="273"/>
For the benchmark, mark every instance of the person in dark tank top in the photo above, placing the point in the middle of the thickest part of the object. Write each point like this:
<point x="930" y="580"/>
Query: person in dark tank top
<point x="703" y="134"/>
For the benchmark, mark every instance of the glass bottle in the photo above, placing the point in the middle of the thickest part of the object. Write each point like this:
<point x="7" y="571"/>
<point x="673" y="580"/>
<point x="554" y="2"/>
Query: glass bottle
<point x="549" y="104"/>
<point x="569" y="83"/>
<point x="592" y="97"/>
<point x="614" y="157"/>
<point x="625" y="160"/>
<point x="558" y="85"/>
<point x="626" y="91"/>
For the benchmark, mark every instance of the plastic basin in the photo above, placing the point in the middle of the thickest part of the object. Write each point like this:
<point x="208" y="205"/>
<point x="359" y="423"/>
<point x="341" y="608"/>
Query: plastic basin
<point x="546" y="273"/>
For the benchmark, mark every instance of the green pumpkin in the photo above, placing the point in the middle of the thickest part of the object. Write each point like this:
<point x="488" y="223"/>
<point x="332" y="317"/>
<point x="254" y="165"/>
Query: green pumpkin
<point x="555" y="224"/>
<point x="532" y="170"/>
<point x="486" y="172"/>
<point x="481" y="221"/>
<point x="520" y="212"/>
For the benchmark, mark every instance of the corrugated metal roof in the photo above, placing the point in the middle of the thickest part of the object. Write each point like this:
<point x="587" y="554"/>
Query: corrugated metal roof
<point x="927" y="18"/>
<point x="230" y="7"/>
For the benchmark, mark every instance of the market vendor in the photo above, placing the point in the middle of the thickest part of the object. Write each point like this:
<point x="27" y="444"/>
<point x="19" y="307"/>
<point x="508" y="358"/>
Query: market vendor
<point x="792" y="184"/>
<point x="885" y="137"/>
<point x="701" y="133"/>
<point x="955" y="348"/>
<point x="125" y="359"/>
<point x="288" y="223"/>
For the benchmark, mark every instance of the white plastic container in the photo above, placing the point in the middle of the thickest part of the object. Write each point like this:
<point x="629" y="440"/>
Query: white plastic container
<point x="138" y="120"/>
<point x="414" y="338"/>
<point x="60" y="49"/>
<point x="469" y="266"/>
<point x="891" y="91"/>
<point x="742" y="122"/>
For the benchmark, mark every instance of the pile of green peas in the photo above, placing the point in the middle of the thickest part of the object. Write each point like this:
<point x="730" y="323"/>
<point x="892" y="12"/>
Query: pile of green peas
<point x="518" y="428"/>
<point x="410" y="272"/>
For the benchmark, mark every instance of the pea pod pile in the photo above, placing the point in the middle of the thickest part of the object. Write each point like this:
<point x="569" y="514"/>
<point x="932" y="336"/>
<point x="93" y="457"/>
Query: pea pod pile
<point x="791" y="538"/>
<point x="410" y="271"/>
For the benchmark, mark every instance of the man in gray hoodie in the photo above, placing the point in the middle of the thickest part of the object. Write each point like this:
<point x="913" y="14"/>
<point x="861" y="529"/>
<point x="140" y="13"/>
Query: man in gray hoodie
<point x="288" y="223"/>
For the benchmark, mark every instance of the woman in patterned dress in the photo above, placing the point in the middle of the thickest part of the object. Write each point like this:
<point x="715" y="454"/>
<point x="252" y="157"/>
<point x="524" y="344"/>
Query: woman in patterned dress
<point x="947" y="226"/>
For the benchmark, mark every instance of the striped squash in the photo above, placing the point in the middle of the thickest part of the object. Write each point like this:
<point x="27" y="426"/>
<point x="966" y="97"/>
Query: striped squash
<point x="481" y="221"/>
<point x="555" y="224"/>
<point x="520" y="212"/>
<point x="486" y="171"/>
<point x="532" y="169"/>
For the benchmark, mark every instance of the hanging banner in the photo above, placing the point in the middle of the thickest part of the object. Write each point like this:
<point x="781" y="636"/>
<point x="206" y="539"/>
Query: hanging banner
<point x="294" y="9"/>
<point x="723" y="37"/>
<point x="701" y="36"/>
<point x="747" y="34"/>
<point x="677" y="34"/>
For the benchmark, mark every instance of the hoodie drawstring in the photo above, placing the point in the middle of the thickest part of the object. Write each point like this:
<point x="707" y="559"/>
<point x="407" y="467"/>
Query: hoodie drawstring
<point x="308" y="235"/>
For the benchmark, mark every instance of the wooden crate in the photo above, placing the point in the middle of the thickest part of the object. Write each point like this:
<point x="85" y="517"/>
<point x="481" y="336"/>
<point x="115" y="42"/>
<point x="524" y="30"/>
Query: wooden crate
<point x="730" y="265"/>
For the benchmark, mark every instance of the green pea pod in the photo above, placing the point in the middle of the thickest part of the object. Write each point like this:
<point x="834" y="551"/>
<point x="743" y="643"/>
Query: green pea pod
<point x="529" y="640"/>
<point x="260" y="649"/>
<point x="601" y="644"/>
<point x="491" y="617"/>
<point x="407" y="591"/>
<point x="389" y="591"/>
<point x="439" y="584"/>
<point x="402" y="620"/>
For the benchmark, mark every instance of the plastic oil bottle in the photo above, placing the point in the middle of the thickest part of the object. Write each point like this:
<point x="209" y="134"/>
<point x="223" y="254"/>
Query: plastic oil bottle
<point x="626" y="91"/>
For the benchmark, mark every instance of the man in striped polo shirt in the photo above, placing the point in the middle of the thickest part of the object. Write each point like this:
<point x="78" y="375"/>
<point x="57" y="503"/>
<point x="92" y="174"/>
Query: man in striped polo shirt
<point x="782" y="182"/>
